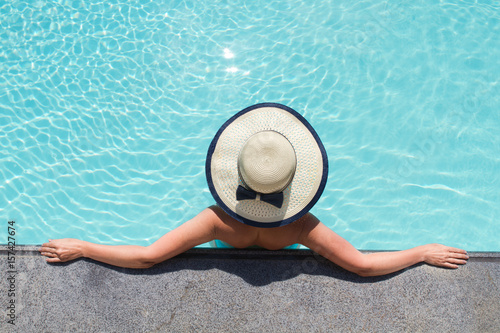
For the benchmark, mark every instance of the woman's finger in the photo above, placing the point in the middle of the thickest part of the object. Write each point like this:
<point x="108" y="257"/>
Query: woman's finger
<point x="456" y="250"/>
<point x="457" y="261"/>
<point x="53" y="260"/>
<point x="47" y="250"/>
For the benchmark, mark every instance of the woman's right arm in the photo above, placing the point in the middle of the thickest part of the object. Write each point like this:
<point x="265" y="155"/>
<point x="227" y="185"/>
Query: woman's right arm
<point x="322" y="240"/>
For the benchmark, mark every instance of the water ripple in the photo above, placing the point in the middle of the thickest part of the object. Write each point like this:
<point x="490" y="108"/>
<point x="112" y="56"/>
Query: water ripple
<point x="107" y="110"/>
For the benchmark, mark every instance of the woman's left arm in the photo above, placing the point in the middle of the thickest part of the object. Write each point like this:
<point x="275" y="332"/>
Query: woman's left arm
<point x="196" y="231"/>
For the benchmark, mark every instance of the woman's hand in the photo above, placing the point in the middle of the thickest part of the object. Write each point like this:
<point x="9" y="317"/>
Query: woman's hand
<point x="444" y="256"/>
<point x="61" y="250"/>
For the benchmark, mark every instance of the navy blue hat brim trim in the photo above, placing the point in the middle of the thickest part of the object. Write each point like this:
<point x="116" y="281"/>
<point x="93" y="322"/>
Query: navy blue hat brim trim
<point x="208" y="168"/>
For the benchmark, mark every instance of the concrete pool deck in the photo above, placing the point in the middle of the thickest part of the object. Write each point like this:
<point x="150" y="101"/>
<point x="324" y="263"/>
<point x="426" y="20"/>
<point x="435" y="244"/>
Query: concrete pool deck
<point x="214" y="290"/>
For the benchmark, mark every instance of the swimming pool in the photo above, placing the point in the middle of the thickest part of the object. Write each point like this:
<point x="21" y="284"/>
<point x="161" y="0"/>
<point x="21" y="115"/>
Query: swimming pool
<point x="107" y="110"/>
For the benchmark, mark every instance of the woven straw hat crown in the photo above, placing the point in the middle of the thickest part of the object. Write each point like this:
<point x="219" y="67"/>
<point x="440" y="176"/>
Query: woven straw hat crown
<point x="267" y="162"/>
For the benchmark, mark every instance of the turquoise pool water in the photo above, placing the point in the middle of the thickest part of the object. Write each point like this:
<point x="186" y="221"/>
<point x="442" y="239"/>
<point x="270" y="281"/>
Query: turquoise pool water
<point x="107" y="109"/>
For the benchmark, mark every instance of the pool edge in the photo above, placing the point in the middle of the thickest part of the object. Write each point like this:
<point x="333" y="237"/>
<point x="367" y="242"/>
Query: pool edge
<point x="246" y="253"/>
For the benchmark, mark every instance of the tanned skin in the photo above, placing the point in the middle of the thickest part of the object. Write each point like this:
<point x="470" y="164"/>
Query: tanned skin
<point x="213" y="223"/>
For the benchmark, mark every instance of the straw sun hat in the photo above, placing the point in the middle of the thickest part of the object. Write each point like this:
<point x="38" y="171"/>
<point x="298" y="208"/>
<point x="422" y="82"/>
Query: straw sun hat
<point x="266" y="166"/>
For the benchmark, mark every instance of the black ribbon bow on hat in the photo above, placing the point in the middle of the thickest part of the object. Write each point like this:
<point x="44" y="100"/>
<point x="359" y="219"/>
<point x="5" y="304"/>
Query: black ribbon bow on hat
<point x="275" y="199"/>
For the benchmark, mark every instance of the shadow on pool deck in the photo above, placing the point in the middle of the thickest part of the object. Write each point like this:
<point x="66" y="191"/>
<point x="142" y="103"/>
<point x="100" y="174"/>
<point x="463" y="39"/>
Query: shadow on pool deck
<point x="217" y="290"/>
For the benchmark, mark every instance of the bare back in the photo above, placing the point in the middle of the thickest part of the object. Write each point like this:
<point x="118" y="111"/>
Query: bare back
<point x="240" y="235"/>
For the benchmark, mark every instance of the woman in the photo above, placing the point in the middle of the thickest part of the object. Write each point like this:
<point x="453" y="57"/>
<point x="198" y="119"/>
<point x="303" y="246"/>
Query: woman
<point x="266" y="168"/>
